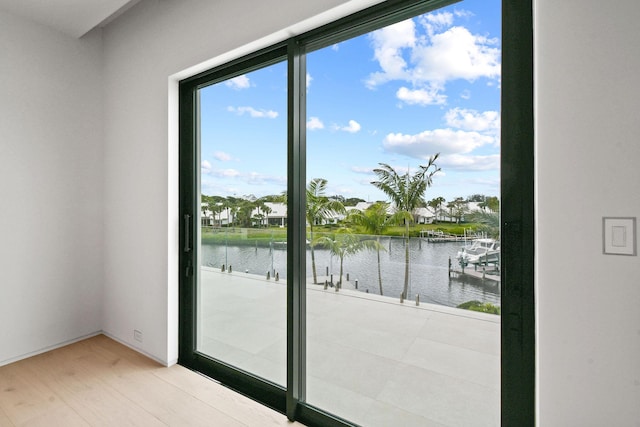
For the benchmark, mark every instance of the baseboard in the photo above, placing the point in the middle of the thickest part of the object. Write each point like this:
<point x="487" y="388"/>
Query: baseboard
<point x="139" y="350"/>
<point x="81" y="338"/>
<point x="48" y="348"/>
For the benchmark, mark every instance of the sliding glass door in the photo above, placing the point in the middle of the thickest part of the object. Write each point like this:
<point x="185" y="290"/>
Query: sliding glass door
<point x="241" y="291"/>
<point x="403" y="151"/>
<point x="342" y="252"/>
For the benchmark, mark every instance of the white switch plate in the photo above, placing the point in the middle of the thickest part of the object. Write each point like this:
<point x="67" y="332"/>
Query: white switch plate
<point x="619" y="236"/>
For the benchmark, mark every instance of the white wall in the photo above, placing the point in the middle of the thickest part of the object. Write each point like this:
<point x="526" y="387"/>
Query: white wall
<point x="51" y="213"/>
<point x="588" y="155"/>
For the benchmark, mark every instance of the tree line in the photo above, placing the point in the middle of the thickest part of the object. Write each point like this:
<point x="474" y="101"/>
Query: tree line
<point x="405" y="191"/>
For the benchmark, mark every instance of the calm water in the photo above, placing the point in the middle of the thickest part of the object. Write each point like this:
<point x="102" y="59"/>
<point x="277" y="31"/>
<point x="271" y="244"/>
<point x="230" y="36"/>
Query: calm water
<point x="428" y="269"/>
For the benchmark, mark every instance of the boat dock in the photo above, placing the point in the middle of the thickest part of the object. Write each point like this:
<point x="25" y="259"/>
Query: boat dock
<point x="433" y="236"/>
<point x="480" y="272"/>
<point x="437" y="236"/>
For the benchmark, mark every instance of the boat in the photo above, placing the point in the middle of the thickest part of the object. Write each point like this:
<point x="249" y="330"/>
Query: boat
<point x="481" y="252"/>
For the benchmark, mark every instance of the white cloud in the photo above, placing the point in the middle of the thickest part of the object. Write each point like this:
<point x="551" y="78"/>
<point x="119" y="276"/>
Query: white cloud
<point x="388" y="43"/>
<point x="362" y="170"/>
<point x="456" y="54"/>
<point x="428" y="61"/>
<point x="227" y="177"/>
<point x="461" y="13"/>
<point x="469" y="163"/>
<point x="436" y="21"/>
<point x="309" y="79"/>
<point x="465" y="94"/>
<point x="205" y="167"/>
<point x="473" y="120"/>
<point x="240" y="82"/>
<point x="352" y="127"/>
<point x="270" y="114"/>
<point x="421" y="96"/>
<point x="222" y="156"/>
<point x="315" y="123"/>
<point x="227" y="173"/>
<point x="429" y="142"/>
<point x="255" y="178"/>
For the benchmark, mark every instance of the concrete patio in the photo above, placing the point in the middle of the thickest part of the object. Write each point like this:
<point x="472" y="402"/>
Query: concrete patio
<point x="370" y="359"/>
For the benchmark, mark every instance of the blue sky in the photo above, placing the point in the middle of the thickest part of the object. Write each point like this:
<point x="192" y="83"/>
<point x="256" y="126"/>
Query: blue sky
<point x="398" y="95"/>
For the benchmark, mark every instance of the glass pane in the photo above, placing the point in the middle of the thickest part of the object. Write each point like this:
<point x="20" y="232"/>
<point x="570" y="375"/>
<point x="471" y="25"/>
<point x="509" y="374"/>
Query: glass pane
<point x="243" y="253"/>
<point x="393" y="335"/>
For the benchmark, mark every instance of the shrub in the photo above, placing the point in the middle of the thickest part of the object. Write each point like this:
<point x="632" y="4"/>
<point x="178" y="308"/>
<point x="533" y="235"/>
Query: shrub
<point x="481" y="307"/>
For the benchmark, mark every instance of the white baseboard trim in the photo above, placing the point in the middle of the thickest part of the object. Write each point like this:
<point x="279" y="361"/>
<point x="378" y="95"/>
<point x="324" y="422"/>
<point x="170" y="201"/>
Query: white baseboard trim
<point x="139" y="350"/>
<point x="48" y="348"/>
<point x="81" y="338"/>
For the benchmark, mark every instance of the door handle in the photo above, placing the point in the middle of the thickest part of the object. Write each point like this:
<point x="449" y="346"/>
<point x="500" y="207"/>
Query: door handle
<point x="187" y="240"/>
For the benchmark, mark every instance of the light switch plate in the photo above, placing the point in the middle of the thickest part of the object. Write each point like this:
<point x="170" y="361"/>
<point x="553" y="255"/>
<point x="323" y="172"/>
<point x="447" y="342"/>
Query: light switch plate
<point x="619" y="236"/>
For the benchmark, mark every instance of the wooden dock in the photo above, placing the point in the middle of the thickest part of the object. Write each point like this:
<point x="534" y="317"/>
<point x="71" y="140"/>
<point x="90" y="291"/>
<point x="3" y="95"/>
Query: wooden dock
<point x="434" y="236"/>
<point x="481" y="273"/>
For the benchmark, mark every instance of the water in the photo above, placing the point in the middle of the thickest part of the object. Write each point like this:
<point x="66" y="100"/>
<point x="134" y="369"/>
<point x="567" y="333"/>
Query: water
<point x="428" y="269"/>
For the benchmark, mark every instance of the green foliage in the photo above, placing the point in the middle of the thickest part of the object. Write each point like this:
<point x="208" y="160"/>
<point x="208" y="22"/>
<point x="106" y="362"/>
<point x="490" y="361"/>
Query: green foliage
<point x="352" y="201"/>
<point x="481" y="307"/>
<point x="476" y="198"/>
<point x="493" y="204"/>
<point x="407" y="193"/>
<point x="243" y="236"/>
<point x="374" y="220"/>
<point x="457" y="208"/>
<point x="488" y="222"/>
<point x="344" y="243"/>
<point x="319" y="208"/>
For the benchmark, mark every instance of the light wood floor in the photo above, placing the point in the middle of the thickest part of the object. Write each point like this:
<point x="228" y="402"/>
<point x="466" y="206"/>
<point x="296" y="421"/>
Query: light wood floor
<point x="99" y="382"/>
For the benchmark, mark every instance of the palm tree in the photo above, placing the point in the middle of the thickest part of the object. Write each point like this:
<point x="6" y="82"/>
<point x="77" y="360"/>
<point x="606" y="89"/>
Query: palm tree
<point x="493" y="203"/>
<point x="319" y="208"/>
<point x="344" y="244"/>
<point x="407" y="193"/>
<point x="216" y="209"/>
<point x="436" y="205"/>
<point x="490" y="222"/>
<point x="226" y="205"/>
<point x="266" y="210"/>
<point x="375" y="221"/>
<point x="243" y="211"/>
<point x="458" y="209"/>
<point x="204" y="206"/>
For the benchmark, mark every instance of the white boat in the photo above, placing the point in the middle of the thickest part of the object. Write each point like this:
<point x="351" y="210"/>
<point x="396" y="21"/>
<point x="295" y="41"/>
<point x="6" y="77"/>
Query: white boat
<point x="481" y="252"/>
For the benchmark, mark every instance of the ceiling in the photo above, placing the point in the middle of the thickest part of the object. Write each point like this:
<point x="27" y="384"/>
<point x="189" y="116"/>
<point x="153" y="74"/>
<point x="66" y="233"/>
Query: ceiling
<point x="72" y="17"/>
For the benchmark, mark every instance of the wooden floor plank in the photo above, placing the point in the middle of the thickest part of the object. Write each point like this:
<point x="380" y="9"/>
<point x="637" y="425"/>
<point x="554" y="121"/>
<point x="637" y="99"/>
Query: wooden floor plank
<point x="32" y="402"/>
<point x="122" y="369"/>
<point x="4" y="419"/>
<point x="231" y="403"/>
<point x="226" y="400"/>
<point x="78" y="383"/>
<point x="60" y="416"/>
<point x="164" y="401"/>
<point x="99" y="382"/>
